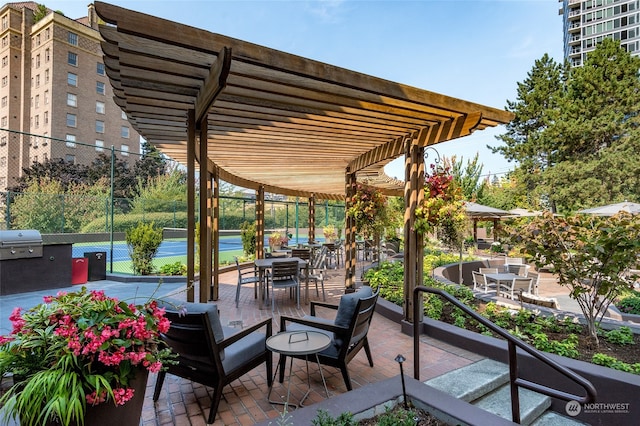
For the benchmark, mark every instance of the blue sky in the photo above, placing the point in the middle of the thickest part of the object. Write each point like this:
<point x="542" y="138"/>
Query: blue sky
<point x="475" y="50"/>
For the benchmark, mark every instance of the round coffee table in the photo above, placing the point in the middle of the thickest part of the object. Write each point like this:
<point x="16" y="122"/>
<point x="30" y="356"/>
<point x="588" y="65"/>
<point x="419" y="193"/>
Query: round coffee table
<point x="297" y="343"/>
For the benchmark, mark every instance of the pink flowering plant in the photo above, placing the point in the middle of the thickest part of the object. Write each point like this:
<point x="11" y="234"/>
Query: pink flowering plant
<point x="76" y="350"/>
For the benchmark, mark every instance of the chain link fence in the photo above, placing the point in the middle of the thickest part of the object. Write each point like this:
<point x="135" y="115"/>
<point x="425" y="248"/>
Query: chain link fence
<point x="91" y="199"/>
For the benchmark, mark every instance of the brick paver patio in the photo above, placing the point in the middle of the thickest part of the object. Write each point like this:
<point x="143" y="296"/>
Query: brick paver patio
<point x="245" y="400"/>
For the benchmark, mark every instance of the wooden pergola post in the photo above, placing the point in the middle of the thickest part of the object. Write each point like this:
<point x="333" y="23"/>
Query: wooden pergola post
<point x="260" y="222"/>
<point x="413" y="258"/>
<point x="215" y="287"/>
<point x="191" y="203"/>
<point x="312" y="218"/>
<point x="349" y="232"/>
<point x="205" y="214"/>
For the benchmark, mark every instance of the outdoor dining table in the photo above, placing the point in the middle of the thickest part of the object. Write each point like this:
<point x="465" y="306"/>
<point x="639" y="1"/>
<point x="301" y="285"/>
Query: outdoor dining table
<point x="267" y="263"/>
<point x="502" y="277"/>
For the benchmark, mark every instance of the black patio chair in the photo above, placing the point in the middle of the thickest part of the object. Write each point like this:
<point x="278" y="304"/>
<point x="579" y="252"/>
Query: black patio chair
<point x="348" y="331"/>
<point x="210" y="354"/>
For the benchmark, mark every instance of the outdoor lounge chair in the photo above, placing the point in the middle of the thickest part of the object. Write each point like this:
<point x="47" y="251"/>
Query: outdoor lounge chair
<point x="210" y="354"/>
<point x="348" y="331"/>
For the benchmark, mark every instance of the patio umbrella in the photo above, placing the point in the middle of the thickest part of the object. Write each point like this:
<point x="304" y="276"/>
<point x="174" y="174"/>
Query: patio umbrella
<point x="478" y="212"/>
<point x="611" y="209"/>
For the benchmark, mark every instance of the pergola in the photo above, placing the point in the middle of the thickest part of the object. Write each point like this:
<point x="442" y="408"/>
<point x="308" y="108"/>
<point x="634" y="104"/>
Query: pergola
<point x="272" y="121"/>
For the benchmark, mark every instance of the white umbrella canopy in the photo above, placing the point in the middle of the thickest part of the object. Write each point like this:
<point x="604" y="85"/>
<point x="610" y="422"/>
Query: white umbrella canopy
<point x="524" y="213"/>
<point x="478" y="211"/>
<point x="611" y="209"/>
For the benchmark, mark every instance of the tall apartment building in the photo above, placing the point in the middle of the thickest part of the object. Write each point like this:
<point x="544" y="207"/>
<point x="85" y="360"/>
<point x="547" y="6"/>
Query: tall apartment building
<point x="53" y="85"/>
<point x="587" y="22"/>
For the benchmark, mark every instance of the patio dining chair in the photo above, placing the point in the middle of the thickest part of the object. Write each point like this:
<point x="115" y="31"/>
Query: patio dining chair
<point x="518" y="269"/>
<point x="535" y="282"/>
<point x="480" y="282"/>
<point x="247" y="274"/>
<point x="317" y="270"/>
<point x="284" y="274"/>
<point x="488" y="270"/>
<point x="516" y="286"/>
<point x="302" y="253"/>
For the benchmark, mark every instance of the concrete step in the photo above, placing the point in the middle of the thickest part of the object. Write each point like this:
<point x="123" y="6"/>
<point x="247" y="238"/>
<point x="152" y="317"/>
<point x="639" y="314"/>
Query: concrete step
<point x="498" y="402"/>
<point x="473" y="381"/>
<point x="551" y="418"/>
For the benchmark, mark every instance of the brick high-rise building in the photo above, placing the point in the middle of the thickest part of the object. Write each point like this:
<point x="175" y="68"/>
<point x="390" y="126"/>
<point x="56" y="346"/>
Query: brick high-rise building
<point x="53" y="85"/>
<point x="587" y="22"/>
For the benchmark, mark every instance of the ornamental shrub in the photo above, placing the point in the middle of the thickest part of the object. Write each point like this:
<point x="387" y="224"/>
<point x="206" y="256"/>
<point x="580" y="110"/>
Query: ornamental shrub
<point x="143" y="242"/>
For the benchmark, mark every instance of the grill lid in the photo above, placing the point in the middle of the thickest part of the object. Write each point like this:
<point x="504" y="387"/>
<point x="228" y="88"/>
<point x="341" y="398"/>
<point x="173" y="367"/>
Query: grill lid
<point x="20" y="238"/>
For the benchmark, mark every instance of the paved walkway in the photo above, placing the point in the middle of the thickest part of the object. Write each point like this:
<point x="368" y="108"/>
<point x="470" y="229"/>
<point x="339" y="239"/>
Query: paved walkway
<point x="245" y="400"/>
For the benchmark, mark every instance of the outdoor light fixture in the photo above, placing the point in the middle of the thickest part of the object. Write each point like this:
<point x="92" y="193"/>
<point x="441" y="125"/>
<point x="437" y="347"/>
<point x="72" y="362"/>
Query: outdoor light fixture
<point x="400" y="359"/>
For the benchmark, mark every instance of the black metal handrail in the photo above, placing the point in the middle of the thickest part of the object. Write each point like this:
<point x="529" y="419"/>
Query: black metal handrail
<point x="513" y="342"/>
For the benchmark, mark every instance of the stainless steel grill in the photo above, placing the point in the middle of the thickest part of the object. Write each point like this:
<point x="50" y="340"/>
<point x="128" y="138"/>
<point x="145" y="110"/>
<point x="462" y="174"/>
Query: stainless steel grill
<point x="20" y="244"/>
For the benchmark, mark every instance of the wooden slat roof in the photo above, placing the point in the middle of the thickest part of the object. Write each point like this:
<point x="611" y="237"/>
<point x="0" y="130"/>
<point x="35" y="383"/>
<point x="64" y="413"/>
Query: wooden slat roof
<point x="275" y="119"/>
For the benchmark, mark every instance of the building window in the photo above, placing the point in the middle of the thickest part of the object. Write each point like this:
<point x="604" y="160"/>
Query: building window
<point x="124" y="132"/>
<point x="100" y="88"/>
<point x="3" y="142"/>
<point x="99" y="126"/>
<point x="4" y="101"/>
<point x="70" y="158"/>
<point x="72" y="79"/>
<point x="38" y="80"/>
<point x="46" y="97"/>
<point x="5" y="61"/>
<point x="36" y="121"/>
<point x="38" y="40"/>
<point x="46" y="76"/>
<point x="71" y="140"/>
<point x="3" y="160"/>
<point x="72" y="100"/>
<point x="72" y="120"/>
<point x="47" y="55"/>
<point x="123" y="115"/>
<point x="37" y="101"/>
<point x="72" y="59"/>
<point x="5" y="81"/>
<point x="5" y="41"/>
<point x="46" y="117"/>
<point x="99" y="145"/>
<point x="124" y="150"/>
<point x="4" y="121"/>
<point x="100" y="68"/>
<point x="100" y="107"/>
<point x="47" y="33"/>
<point x="72" y="38"/>
<point x="38" y="61"/>
<point x="5" y="22"/>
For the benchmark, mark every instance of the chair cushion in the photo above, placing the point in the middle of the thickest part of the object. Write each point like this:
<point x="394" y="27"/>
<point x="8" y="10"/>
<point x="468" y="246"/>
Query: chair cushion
<point x="198" y="308"/>
<point x="245" y="349"/>
<point x="347" y="306"/>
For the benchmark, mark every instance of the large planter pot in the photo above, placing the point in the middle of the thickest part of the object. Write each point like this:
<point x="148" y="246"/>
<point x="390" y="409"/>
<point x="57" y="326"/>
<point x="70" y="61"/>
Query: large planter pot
<point x="123" y="415"/>
<point x="108" y="414"/>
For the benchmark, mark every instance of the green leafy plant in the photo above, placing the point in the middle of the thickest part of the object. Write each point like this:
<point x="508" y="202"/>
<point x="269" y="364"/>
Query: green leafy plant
<point x="619" y="336"/>
<point x="75" y="350"/>
<point x="629" y="305"/>
<point x="248" y="237"/>
<point x="177" y="268"/>
<point x="612" y="362"/>
<point x="143" y="242"/>
<point x="325" y="419"/>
